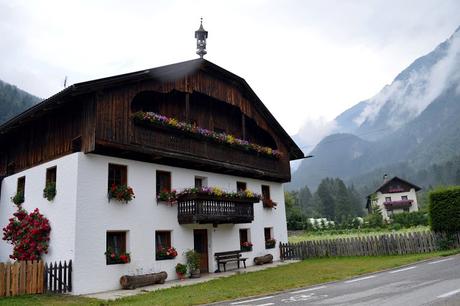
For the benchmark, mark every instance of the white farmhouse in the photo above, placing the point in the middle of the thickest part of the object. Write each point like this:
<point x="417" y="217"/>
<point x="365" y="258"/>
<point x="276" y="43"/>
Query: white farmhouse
<point x="394" y="196"/>
<point x="188" y="125"/>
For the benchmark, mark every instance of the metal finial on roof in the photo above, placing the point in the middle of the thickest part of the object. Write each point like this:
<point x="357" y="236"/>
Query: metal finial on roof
<point x="201" y="34"/>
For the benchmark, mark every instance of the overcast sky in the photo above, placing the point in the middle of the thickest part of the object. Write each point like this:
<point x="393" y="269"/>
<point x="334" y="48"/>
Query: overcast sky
<point x="307" y="60"/>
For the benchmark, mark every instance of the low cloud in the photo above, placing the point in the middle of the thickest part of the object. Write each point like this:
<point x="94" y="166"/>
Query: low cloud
<point x="410" y="95"/>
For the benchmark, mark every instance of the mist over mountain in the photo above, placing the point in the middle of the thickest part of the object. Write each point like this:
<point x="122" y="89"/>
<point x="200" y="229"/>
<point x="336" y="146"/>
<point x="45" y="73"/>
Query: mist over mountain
<point x="14" y="101"/>
<point x="414" y="122"/>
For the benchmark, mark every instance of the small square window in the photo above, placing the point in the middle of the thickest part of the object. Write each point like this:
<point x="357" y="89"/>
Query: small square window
<point x="51" y="175"/>
<point x="387" y="199"/>
<point x="118" y="175"/>
<point x="162" y="244"/>
<point x="240" y="186"/>
<point x="403" y="197"/>
<point x="266" y="192"/>
<point x="245" y="240"/>
<point x="200" y="182"/>
<point x="270" y="242"/>
<point x="116" y="248"/>
<point x="163" y="183"/>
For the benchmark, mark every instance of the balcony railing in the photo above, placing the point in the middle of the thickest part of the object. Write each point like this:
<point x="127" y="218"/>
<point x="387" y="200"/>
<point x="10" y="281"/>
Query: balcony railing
<point x="398" y="204"/>
<point x="205" y="209"/>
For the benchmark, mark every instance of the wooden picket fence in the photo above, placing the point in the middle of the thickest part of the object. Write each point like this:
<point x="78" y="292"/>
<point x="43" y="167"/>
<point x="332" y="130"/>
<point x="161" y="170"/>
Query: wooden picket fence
<point x="24" y="277"/>
<point x="58" y="277"/>
<point x="32" y="277"/>
<point x="388" y="244"/>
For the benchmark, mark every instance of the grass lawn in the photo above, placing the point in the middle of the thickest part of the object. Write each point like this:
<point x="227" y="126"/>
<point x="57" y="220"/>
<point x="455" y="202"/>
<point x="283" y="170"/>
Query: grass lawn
<point x="305" y="273"/>
<point x="333" y="234"/>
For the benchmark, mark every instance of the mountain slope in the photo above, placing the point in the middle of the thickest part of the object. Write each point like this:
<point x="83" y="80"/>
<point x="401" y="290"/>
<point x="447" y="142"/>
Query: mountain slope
<point x="411" y="123"/>
<point x="14" y="101"/>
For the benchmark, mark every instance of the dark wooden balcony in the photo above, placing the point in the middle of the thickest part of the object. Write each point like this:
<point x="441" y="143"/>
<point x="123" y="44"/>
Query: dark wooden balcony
<point x="195" y="152"/>
<point x="398" y="204"/>
<point x="205" y="209"/>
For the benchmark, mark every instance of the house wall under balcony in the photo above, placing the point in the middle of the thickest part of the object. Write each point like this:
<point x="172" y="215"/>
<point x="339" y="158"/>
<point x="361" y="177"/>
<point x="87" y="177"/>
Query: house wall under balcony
<point x="142" y="216"/>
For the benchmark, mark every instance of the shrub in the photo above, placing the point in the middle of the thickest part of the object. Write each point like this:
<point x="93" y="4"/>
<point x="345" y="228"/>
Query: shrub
<point x="444" y="209"/>
<point x="29" y="234"/>
<point x="409" y="219"/>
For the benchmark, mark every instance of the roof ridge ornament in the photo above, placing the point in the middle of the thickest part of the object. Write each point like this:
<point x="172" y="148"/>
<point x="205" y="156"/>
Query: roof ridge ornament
<point x="201" y="34"/>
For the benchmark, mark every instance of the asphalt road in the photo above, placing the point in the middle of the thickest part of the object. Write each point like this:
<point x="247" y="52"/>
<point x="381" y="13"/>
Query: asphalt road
<point x="435" y="282"/>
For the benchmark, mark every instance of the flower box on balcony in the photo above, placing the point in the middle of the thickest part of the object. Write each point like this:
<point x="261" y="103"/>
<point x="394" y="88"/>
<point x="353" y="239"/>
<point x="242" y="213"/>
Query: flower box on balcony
<point x="149" y="119"/>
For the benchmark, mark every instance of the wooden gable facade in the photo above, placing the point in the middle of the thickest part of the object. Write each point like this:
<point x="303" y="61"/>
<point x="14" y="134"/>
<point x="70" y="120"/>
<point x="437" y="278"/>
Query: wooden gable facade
<point x="97" y="117"/>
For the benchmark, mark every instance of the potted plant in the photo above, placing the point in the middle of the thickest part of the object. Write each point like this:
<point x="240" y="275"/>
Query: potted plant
<point x="268" y="203"/>
<point x="246" y="246"/>
<point x="50" y="191"/>
<point x="193" y="263"/>
<point x="181" y="270"/>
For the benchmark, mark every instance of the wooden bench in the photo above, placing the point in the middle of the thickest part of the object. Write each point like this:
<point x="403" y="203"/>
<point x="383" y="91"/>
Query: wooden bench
<point x="223" y="258"/>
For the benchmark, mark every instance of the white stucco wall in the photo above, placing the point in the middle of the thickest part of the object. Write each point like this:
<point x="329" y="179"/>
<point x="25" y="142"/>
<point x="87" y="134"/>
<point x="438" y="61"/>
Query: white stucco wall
<point x="143" y="216"/>
<point x="397" y="196"/>
<point x="60" y="211"/>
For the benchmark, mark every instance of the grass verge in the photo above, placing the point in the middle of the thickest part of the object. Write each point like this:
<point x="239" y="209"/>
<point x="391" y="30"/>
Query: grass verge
<point x="300" y="274"/>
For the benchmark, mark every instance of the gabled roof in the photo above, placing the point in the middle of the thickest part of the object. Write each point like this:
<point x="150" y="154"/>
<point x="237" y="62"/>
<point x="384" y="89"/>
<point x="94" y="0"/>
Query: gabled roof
<point x="385" y="184"/>
<point x="163" y="73"/>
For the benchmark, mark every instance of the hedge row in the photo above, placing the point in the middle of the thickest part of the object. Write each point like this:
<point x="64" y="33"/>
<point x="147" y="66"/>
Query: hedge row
<point x="444" y="209"/>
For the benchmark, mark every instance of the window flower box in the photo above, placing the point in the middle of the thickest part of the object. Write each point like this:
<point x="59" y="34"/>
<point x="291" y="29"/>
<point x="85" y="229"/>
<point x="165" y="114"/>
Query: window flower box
<point x="18" y="198"/>
<point x="268" y="203"/>
<point x="122" y="193"/>
<point x="166" y="253"/>
<point x="270" y="243"/>
<point x="246" y="246"/>
<point x="50" y="191"/>
<point x="113" y="258"/>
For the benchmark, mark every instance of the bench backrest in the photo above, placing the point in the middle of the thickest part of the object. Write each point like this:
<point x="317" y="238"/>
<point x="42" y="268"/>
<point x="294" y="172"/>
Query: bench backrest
<point x="228" y="254"/>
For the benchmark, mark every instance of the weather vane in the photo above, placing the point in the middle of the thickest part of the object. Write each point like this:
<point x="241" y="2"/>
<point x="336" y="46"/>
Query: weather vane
<point x="201" y="34"/>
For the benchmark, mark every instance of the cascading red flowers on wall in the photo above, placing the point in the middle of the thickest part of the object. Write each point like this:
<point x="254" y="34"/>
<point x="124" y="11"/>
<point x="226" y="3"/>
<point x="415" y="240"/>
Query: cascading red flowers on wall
<point x="29" y="234"/>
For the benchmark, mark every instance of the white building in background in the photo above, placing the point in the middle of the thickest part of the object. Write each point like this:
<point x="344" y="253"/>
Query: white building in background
<point x="92" y="135"/>
<point x="394" y="196"/>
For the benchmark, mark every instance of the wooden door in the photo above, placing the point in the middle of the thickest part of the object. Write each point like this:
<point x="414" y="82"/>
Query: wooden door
<point x="200" y="242"/>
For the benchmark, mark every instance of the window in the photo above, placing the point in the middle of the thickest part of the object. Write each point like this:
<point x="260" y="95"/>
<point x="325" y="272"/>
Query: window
<point x="387" y="199"/>
<point x="268" y="235"/>
<point x="116" y="248"/>
<point x="245" y="241"/>
<point x="266" y="192"/>
<point x="240" y="186"/>
<point x="162" y="244"/>
<point x="200" y="182"/>
<point x="51" y="175"/>
<point x="19" y="197"/>
<point x="21" y="186"/>
<point x="163" y="182"/>
<point x="404" y="198"/>
<point x="118" y="175"/>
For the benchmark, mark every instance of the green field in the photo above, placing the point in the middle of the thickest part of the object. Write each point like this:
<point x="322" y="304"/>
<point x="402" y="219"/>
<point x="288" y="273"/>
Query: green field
<point x="333" y="234"/>
<point x="305" y="273"/>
